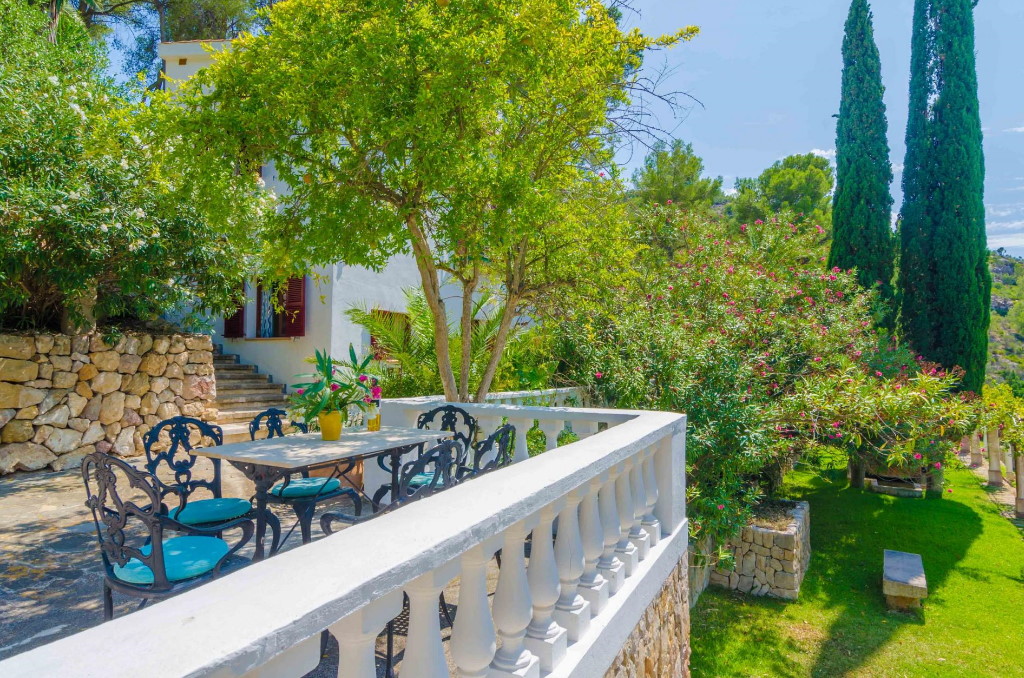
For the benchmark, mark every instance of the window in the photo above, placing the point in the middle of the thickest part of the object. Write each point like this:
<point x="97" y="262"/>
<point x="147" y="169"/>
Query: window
<point x="286" y="318"/>
<point x="234" y="325"/>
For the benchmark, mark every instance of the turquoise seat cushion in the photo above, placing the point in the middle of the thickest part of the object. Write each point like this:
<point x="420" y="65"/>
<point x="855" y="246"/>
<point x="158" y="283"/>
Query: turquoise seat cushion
<point x="210" y="511"/>
<point x="305" y="487"/>
<point x="184" y="558"/>
<point x="421" y="479"/>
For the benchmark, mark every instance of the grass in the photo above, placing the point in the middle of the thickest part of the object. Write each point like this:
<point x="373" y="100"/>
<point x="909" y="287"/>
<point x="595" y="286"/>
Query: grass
<point x="972" y="623"/>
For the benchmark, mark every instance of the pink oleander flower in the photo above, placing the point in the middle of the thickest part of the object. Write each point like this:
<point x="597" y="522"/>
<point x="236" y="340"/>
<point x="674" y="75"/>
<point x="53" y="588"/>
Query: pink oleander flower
<point x="758" y="222"/>
<point x="335" y="387"/>
<point x="301" y="391"/>
<point x="721" y="506"/>
<point x="363" y="377"/>
<point x="917" y="455"/>
<point x="376" y="392"/>
<point x="668" y="202"/>
<point x="938" y="464"/>
<point x="598" y="375"/>
<point x="367" y="399"/>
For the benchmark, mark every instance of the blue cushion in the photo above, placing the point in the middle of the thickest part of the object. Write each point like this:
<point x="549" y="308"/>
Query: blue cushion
<point x="184" y="558"/>
<point x="211" y="511"/>
<point x="305" y="487"/>
<point x="421" y="479"/>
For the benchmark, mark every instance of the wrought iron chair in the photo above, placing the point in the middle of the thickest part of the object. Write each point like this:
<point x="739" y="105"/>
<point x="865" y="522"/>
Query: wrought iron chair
<point x="492" y="453"/>
<point x="141" y="562"/>
<point x="178" y="457"/>
<point x="303" y="493"/>
<point x="457" y="421"/>
<point x="444" y="460"/>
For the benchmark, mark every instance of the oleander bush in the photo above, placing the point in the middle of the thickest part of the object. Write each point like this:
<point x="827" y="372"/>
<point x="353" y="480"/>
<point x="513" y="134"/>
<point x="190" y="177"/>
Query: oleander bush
<point x="773" y="358"/>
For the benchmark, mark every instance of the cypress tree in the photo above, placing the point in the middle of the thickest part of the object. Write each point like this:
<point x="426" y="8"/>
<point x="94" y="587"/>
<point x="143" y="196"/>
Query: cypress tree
<point x="862" y="205"/>
<point x="945" y="284"/>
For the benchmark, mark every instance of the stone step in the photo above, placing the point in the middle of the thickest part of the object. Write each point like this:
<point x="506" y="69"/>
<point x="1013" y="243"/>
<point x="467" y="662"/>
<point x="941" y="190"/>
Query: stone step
<point x="241" y="413"/>
<point x="228" y="358"/>
<point x="268" y="398"/>
<point x="234" y="369"/>
<point x="238" y="432"/>
<point x="245" y="380"/>
<point x="229" y="389"/>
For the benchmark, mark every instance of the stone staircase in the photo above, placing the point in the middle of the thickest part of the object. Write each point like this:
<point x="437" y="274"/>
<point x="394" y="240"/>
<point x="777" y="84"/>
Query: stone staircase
<point x="242" y="393"/>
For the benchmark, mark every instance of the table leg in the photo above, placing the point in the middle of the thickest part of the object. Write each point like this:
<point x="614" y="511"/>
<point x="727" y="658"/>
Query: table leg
<point x="396" y="462"/>
<point x="262" y="491"/>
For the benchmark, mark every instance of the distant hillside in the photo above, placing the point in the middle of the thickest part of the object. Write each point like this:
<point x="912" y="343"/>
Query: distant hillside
<point x="1006" y="332"/>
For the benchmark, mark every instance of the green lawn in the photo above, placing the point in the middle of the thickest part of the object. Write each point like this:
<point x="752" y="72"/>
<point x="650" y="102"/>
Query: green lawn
<point x="971" y="625"/>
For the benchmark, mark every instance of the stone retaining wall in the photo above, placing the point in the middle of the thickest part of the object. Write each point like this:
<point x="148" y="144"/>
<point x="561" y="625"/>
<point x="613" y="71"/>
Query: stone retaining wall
<point x="659" y="646"/>
<point x="770" y="562"/>
<point x="62" y="397"/>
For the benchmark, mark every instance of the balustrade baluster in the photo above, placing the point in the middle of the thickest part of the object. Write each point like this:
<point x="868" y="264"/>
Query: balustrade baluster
<point x="473" y="641"/>
<point x="995" y="472"/>
<point x="609" y="565"/>
<point x="637" y="534"/>
<point x="626" y="551"/>
<point x="584" y="429"/>
<point x="650" y="522"/>
<point x="572" y="611"/>
<point x="357" y="636"/>
<point x="521" y="452"/>
<point x="593" y="585"/>
<point x="551" y="428"/>
<point x="512" y="610"/>
<point x="544" y="637"/>
<point x="423" y="648"/>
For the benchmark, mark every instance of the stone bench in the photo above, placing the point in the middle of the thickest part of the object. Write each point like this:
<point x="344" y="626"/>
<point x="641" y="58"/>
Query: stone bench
<point x="903" y="580"/>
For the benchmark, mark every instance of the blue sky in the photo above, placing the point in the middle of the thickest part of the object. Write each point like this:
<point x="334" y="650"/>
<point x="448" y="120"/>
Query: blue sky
<point x="768" y="75"/>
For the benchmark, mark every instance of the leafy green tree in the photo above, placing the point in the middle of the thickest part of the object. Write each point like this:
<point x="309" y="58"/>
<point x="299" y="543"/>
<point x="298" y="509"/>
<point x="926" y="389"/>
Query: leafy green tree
<point x="944" y="280"/>
<point x="799" y="183"/>
<point x="462" y="132"/>
<point x="90" y="226"/>
<point x="862" y="205"/>
<point x="673" y="175"/>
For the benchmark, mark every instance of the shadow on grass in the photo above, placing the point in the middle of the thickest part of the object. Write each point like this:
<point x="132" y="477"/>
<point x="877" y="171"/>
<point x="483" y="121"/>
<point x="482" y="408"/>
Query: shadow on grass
<point x="849" y="530"/>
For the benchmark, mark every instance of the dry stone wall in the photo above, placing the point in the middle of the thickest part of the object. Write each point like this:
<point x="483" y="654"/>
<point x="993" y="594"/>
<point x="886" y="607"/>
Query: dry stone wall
<point x="62" y="396"/>
<point x="659" y="646"/>
<point x="770" y="562"/>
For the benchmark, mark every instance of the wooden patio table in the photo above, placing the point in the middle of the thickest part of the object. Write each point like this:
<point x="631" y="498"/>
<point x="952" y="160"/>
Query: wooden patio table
<point x="267" y="461"/>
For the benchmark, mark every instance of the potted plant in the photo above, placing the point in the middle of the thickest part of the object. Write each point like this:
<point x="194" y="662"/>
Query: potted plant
<point x="331" y="390"/>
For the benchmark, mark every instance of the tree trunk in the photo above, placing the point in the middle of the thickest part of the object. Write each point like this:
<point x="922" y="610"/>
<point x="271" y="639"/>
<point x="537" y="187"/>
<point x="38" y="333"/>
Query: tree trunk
<point x="468" y="288"/>
<point x="508" y="314"/>
<point x="856" y="471"/>
<point x="54" y="21"/>
<point x="432" y="291"/>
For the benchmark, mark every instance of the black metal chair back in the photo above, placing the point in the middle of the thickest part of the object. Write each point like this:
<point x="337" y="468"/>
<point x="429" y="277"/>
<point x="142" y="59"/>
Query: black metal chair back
<point x="493" y="453"/>
<point x="275" y="423"/>
<point x="440" y="464"/>
<point x="455" y="420"/>
<point x="179" y="458"/>
<point x="119" y="495"/>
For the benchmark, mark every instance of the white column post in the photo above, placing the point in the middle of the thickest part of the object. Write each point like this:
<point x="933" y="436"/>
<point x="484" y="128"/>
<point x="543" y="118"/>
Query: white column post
<point x="584" y="429"/>
<point x="670" y="472"/>
<point x="357" y="636"/>
<point x="593" y="586"/>
<point x="995" y="471"/>
<point x="512" y="610"/>
<point x="1020" y="483"/>
<point x="626" y="550"/>
<point x="976" y="457"/>
<point x="522" y="424"/>
<point x="473" y="641"/>
<point x="423" y="647"/>
<point x="572" y="611"/>
<point x="544" y="637"/>
<point x="649" y="522"/>
<point x="637" y="534"/>
<point x="551" y="428"/>
<point x="610" y="566"/>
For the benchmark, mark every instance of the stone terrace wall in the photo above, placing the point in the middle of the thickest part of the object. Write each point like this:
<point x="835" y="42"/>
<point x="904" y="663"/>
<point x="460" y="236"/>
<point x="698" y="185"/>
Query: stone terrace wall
<point x="659" y="646"/>
<point x="770" y="562"/>
<point x="62" y="397"/>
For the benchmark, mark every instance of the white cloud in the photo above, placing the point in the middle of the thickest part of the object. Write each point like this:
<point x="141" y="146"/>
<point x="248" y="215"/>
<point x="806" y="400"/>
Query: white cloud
<point x="1015" y="130"/>
<point x="1007" y="240"/>
<point x="1005" y="226"/>
<point x="829" y="154"/>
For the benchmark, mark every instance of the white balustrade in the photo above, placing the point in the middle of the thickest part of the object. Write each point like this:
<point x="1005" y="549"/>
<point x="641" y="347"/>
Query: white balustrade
<point x="552" y="428"/>
<point x="544" y="637"/>
<point x="473" y="639"/>
<point x="512" y="612"/>
<point x="572" y="611"/>
<point x="594" y="588"/>
<point x="976" y="457"/>
<point x="995" y="471"/>
<point x="588" y="504"/>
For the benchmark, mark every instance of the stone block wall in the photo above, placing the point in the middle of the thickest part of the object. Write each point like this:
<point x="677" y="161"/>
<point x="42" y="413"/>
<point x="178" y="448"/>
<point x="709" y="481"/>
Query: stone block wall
<point x="659" y="646"/>
<point x="62" y="396"/>
<point x="770" y="562"/>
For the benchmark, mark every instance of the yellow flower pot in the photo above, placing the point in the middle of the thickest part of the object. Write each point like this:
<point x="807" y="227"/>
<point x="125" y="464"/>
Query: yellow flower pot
<point x="330" y="425"/>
